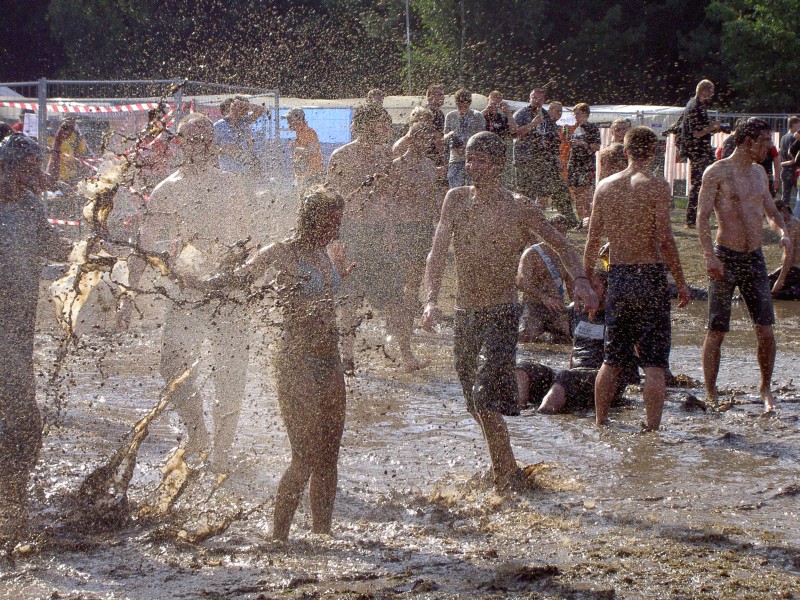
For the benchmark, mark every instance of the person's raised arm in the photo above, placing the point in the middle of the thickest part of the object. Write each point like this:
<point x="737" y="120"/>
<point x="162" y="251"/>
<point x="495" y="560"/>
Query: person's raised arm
<point x="571" y="260"/>
<point x="705" y="206"/>
<point x="437" y="261"/>
<point x="669" y="250"/>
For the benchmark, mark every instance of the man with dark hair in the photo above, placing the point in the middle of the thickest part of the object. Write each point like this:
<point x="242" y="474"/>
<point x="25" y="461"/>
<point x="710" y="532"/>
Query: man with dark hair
<point x="696" y="140"/>
<point x="788" y="179"/>
<point x="306" y="151"/>
<point x="612" y="158"/>
<point x="632" y="209"/>
<point x="735" y="190"/>
<point x="459" y="126"/>
<point x="25" y="237"/>
<point x="489" y="227"/>
<point x="241" y="136"/>
<point x="536" y="157"/>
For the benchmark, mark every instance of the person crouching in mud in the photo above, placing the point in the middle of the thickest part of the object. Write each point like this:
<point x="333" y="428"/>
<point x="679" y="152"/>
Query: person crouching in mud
<point x="25" y="237"/>
<point x="308" y="368"/>
<point x="490" y="227"/>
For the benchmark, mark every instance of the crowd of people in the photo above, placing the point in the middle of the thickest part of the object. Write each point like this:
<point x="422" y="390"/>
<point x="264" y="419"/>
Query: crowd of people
<point x="376" y="226"/>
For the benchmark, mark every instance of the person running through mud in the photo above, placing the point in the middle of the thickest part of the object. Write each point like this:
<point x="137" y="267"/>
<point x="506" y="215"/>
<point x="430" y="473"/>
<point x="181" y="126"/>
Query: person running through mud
<point x="199" y="215"/>
<point x="308" y="368"/>
<point x="490" y="227"/>
<point x="632" y="209"/>
<point x="735" y="190"/>
<point x="365" y="233"/>
<point x="786" y="280"/>
<point x="25" y="237"/>
<point x="413" y="208"/>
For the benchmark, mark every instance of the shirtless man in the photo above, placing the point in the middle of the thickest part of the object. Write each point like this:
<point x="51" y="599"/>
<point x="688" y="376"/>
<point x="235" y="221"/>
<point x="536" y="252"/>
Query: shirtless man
<point x="413" y="208"/>
<point x="786" y="280"/>
<point x="490" y="227"/>
<point x="612" y="158"/>
<point x="736" y="190"/>
<point x="365" y="231"/>
<point x="632" y="209"/>
<point x="197" y="215"/>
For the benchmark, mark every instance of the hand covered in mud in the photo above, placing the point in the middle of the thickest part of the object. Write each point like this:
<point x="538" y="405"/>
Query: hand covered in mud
<point x="715" y="269"/>
<point x="786" y="244"/>
<point x="584" y="294"/>
<point x="224" y="280"/>
<point x="431" y="316"/>
<point x="684" y="295"/>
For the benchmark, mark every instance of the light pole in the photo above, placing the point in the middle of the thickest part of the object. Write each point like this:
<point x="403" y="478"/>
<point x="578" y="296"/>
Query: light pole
<point x="408" y="49"/>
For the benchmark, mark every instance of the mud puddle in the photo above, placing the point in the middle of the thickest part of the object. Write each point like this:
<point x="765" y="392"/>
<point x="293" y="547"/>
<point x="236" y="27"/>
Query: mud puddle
<point x="705" y="509"/>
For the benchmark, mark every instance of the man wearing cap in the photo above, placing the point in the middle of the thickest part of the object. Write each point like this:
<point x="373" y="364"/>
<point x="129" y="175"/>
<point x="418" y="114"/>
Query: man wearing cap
<point x="305" y="148"/>
<point x="490" y="227"/>
<point x="25" y="236"/>
<point x="241" y="137"/>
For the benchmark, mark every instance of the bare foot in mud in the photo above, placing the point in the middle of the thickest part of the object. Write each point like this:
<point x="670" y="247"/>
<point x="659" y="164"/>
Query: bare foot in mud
<point x="517" y="482"/>
<point x="770" y="403"/>
<point x="712" y="398"/>
<point x="411" y="363"/>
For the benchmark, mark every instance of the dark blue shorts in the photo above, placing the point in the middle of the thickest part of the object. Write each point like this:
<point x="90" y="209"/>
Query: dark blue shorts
<point x="748" y="271"/>
<point x="637" y="315"/>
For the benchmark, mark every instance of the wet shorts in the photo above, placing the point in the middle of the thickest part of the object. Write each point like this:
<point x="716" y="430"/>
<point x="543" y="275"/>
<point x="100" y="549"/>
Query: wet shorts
<point x="485" y="348"/>
<point x="637" y="314"/>
<point x="376" y="275"/>
<point x="414" y="241"/>
<point x="748" y="271"/>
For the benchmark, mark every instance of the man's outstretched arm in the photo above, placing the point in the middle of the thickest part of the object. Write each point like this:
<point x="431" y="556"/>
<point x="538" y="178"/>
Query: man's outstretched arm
<point x="437" y="261"/>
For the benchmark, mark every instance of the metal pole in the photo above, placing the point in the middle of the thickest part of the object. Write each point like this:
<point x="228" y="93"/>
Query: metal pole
<point x="42" y="116"/>
<point x="408" y="48"/>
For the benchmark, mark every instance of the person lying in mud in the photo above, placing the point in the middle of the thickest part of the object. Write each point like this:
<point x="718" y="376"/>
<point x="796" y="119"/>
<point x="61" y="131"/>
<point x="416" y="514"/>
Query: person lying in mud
<point x="25" y="238"/>
<point x="308" y="368"/>
<point x="365" y="231"/>
<point x="632" y="209"/>
<point x="490" y="227"/>
<point x="736" y="190"/>
<point x="786" y="280"/>
<point x="545" y="285"/>
<point x="199" y="215"/>
<point x="573" y="388"/>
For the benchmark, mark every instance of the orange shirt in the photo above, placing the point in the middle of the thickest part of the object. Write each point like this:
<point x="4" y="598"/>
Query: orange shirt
<point x="308" y="139"/>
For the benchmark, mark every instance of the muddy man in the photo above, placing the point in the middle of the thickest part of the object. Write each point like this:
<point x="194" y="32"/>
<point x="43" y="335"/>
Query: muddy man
<point x="737" y="192"/>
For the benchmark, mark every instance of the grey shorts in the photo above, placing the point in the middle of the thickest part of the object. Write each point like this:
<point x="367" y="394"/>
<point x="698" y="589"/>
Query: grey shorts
<point x="485" y="348"/>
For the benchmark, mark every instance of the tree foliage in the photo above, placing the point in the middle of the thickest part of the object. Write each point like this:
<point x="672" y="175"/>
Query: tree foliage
<point x="626" y="51"/>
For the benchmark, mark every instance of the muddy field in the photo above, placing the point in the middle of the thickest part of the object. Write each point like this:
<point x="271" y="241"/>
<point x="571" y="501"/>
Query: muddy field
<point x="707" y="508"/>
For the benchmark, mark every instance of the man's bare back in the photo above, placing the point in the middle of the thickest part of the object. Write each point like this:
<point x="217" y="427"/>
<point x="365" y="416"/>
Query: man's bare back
<point x="349" y="171"/>
<point x="627" y="205"/>
<point x="414" y="192"/>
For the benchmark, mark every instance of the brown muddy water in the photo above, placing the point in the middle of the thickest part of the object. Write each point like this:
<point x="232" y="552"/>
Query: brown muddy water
<point x="707" y="508"/>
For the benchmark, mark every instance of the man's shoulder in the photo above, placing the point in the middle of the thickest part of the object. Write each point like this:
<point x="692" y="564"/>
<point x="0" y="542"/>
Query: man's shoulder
<point x="345" y="150"/>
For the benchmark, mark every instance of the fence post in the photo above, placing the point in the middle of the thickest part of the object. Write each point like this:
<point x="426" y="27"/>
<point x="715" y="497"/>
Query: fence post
<point x="277" y="116"/>
<point x="177" y="98"/>
<point x="42" y="112"/>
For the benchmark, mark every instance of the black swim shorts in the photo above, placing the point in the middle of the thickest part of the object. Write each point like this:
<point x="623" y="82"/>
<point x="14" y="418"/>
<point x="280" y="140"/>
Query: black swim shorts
<point x="540" y="379"/>
<point x="748" y="271"/>
<point x="485" y="348"/>
<point x="637" y="314"/>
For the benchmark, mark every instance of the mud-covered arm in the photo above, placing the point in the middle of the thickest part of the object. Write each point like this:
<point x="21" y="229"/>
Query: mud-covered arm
<point x="776" y="220"/>
<point x="705" y="206"/>
<point x="437" y="261"/>
<point x="568" y="255"/>
<point x="594" y="239"/>
<point x="669" y="250"/>
<point x="256" y="265"/>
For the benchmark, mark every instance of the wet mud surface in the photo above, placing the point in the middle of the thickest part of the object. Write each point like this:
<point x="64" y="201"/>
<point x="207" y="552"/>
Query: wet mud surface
<point x="707" y="508"/>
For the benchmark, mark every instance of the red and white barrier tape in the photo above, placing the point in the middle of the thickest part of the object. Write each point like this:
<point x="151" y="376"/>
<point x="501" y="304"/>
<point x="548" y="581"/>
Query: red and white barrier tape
<point x="64" y="222"/>
<point x="53" y="107"/>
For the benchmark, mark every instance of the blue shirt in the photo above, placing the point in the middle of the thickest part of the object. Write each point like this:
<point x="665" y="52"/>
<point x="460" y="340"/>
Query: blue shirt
<point x="541" y="144"/>
<point x="252" y="139"/>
